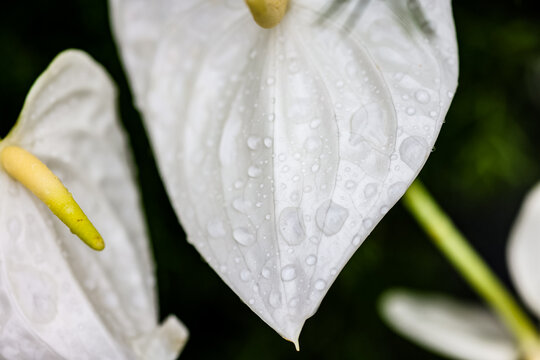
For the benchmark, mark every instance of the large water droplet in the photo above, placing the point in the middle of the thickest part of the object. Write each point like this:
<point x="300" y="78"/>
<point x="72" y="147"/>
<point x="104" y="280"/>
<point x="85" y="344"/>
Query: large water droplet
<point x="245" y="275"/>
<point x="267" y="142"/>
<point x="254" y="171"/>
<point x="372" y="124"/>
<point x="288" y="273"/>
<point x="291" y="226"/>
<point x="275" y="299"/>
<point x="243" y="236"/>
<point x="265" y="272"/>
<point x="253" y="142"/>
<point x="413" y="151"/>
<point x="422" y="96"/>
<point x="368" y="223"/>
<point x="311" y="260"/>
<point x="241" y="205"/>
<point x="330" y="217"/>
<point x="320" y="284"/>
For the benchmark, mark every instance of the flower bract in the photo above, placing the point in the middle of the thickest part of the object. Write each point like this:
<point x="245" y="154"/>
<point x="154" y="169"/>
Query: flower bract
<point x="282" y="148"/>
<point x="58" y="298"/>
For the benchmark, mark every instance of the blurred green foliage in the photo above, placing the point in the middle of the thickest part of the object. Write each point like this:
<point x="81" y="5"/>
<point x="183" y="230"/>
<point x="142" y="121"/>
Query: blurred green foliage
<point x="486" y="158"/>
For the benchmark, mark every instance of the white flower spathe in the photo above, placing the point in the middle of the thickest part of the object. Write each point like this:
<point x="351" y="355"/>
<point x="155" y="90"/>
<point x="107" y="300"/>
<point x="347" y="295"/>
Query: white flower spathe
<point x="58" y="298"/>
<point x="281" y="149"/>
<point x="467" y="331"/>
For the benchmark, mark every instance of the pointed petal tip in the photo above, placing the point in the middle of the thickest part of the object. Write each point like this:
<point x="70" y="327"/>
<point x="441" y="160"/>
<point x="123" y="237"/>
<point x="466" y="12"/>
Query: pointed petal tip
<point x="292" y="334"/>
<point x="296" y="343"/>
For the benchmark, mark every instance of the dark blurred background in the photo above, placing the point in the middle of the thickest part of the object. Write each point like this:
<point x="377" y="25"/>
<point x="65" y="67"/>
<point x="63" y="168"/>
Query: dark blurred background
<point x="486" y="158"/>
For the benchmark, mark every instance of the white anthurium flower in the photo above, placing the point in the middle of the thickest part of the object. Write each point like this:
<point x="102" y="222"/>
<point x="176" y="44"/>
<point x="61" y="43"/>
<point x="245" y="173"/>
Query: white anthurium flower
<point x="282" y="148"/>
<point x="58" y="298"/>
<point x="469" y="331"/>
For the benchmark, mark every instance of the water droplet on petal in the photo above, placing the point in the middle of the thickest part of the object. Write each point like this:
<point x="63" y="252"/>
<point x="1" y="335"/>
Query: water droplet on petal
<point x="241" y="205"/>
<point x="413" y="151"/>
<point x="274" y="299"/>
<point x="294" y="302"/>
<point x="368" y="223"/>
<point x="254" y="171"/>
<point x="243" y="236"/>
<point x="245" y="275"/>
<point x="311" y="260"/>
<point x="422" y="96"/>
<point x="267" y="142"/>
<point x="330" y="217"/>
<point x="265" y="272"/>
<point x="288" y="273"/>
<point x="253" y="142"/>
<point x="320" y="284"/>
<point x="291" y="226"/>
<point x="315" y="123"/>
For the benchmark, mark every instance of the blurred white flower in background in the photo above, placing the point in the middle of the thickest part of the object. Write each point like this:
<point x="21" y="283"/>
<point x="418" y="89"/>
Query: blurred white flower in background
<point x="58" y="298"/>
<point x="281" y="149"/>
<point x="468" y="331"/>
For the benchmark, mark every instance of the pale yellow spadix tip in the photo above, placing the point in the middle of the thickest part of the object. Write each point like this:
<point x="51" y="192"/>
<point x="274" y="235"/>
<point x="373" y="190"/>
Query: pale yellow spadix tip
<point x="40" y="180"/>
<point x="267" y="13"/>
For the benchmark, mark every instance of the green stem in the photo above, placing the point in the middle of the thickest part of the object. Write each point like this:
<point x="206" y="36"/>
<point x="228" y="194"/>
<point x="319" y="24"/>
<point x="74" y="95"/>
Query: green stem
<point x="464" y="258"/>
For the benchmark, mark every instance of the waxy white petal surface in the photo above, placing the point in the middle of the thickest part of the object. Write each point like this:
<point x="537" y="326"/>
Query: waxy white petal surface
<point x="59" y="299"/>
<point x="524" y="250"/>
<point x="458" y="330"/>
<point x="281" y="149"/>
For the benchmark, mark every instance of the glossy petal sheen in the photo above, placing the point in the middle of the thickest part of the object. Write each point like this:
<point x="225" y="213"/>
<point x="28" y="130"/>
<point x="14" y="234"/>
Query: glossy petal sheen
<point x="457" y="330"/>
<point x="524" y="249"/>
<point x="281" y="149"/>
<point x="58" y="298"/>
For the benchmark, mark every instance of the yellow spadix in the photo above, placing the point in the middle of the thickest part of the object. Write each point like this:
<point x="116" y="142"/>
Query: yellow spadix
<point x="267" y="13"/>
<point x="40" y="180"/>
